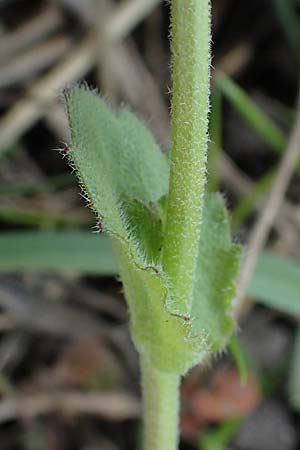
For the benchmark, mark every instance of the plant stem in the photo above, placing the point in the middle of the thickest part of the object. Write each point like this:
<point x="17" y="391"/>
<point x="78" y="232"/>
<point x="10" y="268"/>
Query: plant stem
<point x="190" y="21"/>
<point x="190" y="86"/>
<point x="161" y="406"/>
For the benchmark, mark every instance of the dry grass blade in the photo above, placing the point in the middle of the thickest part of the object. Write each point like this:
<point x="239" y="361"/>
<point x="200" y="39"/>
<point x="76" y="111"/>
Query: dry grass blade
<point x="129" y="14"/>
<point x="42" y="93"/>
<point x="33" y="31"/>
<point x="38" y="58"/>
<point x="136" y="82"/>
<point x="237" y="180"/>
<point x="241" y="185"/>
<point x="28" y="110"/>
<point x="113" y="406"/>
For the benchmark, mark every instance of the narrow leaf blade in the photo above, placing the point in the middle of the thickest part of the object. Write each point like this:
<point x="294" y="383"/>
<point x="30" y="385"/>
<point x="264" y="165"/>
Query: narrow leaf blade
<point x="75" y="251"/>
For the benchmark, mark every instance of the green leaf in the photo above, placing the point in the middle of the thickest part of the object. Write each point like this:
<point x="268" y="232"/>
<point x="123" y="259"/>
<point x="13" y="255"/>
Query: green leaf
<point x="125" y="177"/>
<point x="115" y="147"/>
<point x="146" y="220"/>
<point x="276" y="283"/>
<point x="145" y="168"/>
<point x="118" y="163"/>
<point x="176" y="342"/>
<point x="217" y="270"/>
<point x="165" y="336"/>
<point x="124" y="174"/>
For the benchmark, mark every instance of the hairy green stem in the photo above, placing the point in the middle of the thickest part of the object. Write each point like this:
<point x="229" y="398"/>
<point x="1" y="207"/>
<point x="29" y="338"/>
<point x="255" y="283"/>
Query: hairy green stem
<point x="161" y="406"/>
<point x="190" y="20"/>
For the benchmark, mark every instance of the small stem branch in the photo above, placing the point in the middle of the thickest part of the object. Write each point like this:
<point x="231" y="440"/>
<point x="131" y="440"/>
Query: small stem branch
<point x="161" y="406"/>
<point x="190" y="86"/>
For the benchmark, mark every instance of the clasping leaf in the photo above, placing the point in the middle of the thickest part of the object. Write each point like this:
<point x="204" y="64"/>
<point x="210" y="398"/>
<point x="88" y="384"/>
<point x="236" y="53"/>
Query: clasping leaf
<point x="124" y="175"/>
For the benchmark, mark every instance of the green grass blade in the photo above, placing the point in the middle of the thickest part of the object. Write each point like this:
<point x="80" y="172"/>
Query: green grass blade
<point x="247" y="204"/>
<point x="275" y="282"/>
<point x="50" y="183"/>
<point x="254" y="115"/>
<point x="238" y="354"/>
<point x="42" y="219"/>
<point x="294" y="379"/>
<point x="215" y="133"/>
<point x="79" y="252"/>
<point x="290" y="22"/>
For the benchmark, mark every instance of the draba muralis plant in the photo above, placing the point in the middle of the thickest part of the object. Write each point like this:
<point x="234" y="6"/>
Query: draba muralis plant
<point x="171" y="239"/>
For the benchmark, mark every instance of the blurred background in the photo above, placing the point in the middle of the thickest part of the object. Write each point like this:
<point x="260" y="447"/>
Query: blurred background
<point x="69" y="376"/>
